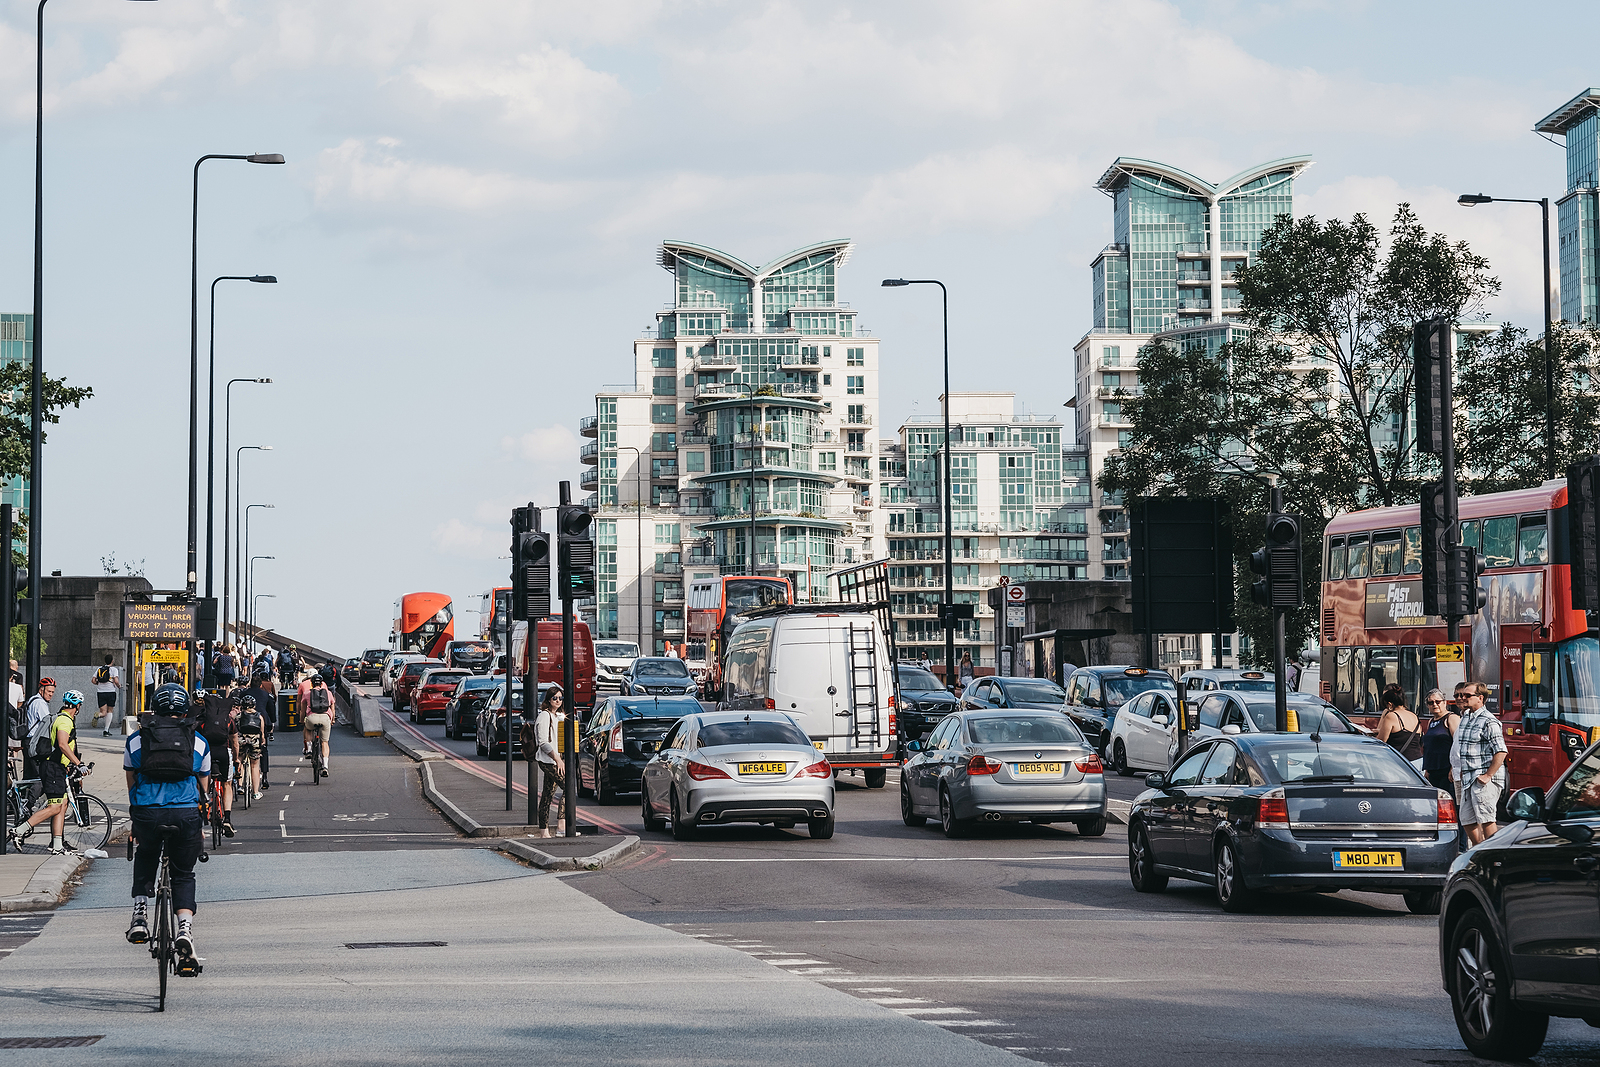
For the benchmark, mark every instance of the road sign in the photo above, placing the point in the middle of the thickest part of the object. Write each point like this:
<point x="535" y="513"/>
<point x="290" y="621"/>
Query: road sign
<point x="1016" y="615"/>
<point x="168" y="623"/>
<point x="1016" y="594"/>
<point x="1454" y="653"/>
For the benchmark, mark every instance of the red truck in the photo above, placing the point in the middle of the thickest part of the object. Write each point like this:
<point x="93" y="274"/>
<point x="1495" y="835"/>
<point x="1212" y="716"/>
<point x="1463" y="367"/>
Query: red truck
<point x="545" y="656"/>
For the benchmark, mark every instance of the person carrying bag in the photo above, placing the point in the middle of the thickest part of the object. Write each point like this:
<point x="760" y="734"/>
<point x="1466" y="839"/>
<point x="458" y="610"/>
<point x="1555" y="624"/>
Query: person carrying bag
<point x="539" y="740"/>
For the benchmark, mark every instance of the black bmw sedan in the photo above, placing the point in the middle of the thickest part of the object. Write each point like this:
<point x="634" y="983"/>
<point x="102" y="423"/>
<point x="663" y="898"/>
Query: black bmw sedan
<point x="1519" y="936"/>
<point x="1258" y="813"/>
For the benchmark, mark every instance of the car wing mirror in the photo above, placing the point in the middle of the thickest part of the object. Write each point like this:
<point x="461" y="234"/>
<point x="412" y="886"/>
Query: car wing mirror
<point x="1160" y="720"/>
<point x="1576" y="832"/>
<point x="913" y="746"/>
<point x="1157" y="780"/>
<point x="1232" y="729"/>
<point x="1527" y="804"/>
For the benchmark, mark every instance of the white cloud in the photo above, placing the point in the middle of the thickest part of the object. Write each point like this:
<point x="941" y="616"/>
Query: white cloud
<point x="543" y="446"/>
<point x="547" y="96"/>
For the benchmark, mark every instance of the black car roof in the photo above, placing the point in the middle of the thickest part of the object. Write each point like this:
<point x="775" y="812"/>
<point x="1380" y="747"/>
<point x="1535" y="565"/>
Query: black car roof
<point x="1122" y="669"/>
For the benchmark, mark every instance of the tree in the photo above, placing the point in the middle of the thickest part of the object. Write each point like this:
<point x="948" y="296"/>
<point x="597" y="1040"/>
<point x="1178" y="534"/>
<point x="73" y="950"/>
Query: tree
<point x="16" y="418"/>
<point x="1315" y="391"/>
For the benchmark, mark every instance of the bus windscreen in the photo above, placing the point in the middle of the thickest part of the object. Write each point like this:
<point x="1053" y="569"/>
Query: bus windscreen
<point x="750" y="594"/>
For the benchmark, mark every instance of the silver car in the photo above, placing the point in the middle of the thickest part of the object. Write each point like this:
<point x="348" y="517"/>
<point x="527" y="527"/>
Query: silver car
<point x="1004" y="766"/>
<point x="737" y="766"/>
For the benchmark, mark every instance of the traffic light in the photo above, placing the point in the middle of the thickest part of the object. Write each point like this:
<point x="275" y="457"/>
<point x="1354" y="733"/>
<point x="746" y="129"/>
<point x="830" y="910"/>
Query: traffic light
<point x="1463" y="595"/>
<point x="1436" y="542"/>
<point x="1430" y="354"/>
<point x="575" y="551"/>
<point x="533" y="569"/>
<point x="1583" y="501"/>
<point x="1278" y="563"/>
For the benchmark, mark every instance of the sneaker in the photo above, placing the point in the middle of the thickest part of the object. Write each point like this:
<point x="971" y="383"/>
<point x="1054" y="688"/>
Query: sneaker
<point x="138" y="929"/>
<point x="324" y="772"/>
<point x="264" y="785"/>
<point x="57" y="850"/>
<point x="255" y="796"/>
<point x="105" y="733"/>
<point x="227" y="829"/>
<point x="183" y="944"/>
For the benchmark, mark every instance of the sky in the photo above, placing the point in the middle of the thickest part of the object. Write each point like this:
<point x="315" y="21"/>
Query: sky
<point x="465" y="231"/>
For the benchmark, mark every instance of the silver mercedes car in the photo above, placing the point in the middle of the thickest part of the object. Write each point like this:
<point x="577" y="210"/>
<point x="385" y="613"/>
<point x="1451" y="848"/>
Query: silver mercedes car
<point x="1004" y="766"/>
<point x="737" y="766"/>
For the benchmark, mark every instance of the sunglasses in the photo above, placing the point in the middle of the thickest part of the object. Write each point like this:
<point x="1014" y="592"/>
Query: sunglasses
<point x="1436" y="702"/>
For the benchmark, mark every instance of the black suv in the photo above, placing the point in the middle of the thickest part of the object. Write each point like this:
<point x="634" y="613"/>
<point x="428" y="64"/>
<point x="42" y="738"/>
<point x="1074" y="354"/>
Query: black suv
<point x="924" y="702"/>
<point x="1519" y="929"/>
<point x="1095" y="693"/>
<point x="371" y="669"/>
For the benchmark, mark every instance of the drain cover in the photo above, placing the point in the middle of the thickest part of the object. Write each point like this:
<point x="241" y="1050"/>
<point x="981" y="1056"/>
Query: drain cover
<point x="49" y="1042"/>
<point x="396" y="944"/>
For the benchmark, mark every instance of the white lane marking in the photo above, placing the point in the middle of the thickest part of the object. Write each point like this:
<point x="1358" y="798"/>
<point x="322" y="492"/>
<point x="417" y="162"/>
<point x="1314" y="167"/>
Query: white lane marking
<point x="797" y="963"/>
<point x="966" y="1022"/>
<point x="280" y="814"/>
<point x="919" y="1012"/>
<point x="296" y="771"/>
<point x="875" y="989"/>
<point x="899" y="859"/>
<point x="284" y="829"/>
<point x="821" y="970"/>
<point x="897" y="1000"/>
<point x="286" y="796"/>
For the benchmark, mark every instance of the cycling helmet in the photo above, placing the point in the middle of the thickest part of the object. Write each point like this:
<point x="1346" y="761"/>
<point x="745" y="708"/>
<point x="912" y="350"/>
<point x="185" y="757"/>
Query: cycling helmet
<point x="170" y="699"/>
<point x="72" y="698"/>
<point x="243" y="699"/>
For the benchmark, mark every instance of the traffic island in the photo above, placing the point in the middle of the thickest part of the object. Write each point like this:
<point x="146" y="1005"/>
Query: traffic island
<point x="586" y="853"/>
<point x="35" y="881"/>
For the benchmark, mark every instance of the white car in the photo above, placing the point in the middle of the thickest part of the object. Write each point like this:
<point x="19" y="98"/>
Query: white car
<point x="1144" y="732"/>
<point x="611" y="661"/>
<point x="393" y="666"/>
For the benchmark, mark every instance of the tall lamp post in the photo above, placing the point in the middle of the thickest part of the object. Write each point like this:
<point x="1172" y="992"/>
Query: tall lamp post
<point x="36" y="387"/>
<point x="252" y="568"/>
<point x="949" y="579"/>
<point x="244" y="577"/>
<point x="258" y="596"/>
<point x="227" y="488"/>
<point x="638" y="494"/>
<point x="238" y="484"/>
<point x="1473" y="200"/>
<point x="211" y="450"/>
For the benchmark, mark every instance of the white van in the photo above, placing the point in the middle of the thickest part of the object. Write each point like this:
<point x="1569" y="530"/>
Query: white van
<point x="827" y="666"/>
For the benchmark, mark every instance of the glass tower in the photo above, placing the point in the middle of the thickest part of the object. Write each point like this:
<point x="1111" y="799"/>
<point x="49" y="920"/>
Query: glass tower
<point x="16" y="346"/>
<point x="1578" y="121"/>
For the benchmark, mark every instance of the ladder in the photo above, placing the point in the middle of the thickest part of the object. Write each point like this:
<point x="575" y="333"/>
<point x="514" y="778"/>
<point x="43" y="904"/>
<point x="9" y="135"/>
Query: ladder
<point x="864" y="717"/>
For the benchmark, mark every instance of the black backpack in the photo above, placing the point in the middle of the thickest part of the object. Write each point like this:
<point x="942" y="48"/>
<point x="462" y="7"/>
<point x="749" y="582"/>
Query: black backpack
<point x="252" y="723"/>
<point x="320" y="699"/>
<point x="166" y="746"/>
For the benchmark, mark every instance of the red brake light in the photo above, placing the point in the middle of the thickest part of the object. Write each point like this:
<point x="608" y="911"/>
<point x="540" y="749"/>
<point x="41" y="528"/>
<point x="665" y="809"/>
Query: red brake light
<point x="1273" y="810"/>
<point x="1447" y="811"/>
<point x="616" y="738"/>
<point x="981" y="764"/>
<point x="820" y="769"/>
<point x="772" y="705"/>
<point x="891" y="701"/>
<point x="1092" y="765"/>
<point x="700" y="771"/>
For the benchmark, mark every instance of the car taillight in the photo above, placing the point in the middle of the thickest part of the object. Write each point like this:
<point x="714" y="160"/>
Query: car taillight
<point x="820" y="769"/>
<point x="1447" y="811"/>
<point x="893" y="724"/>
<point x="891" y="701"/>
<point x="1092" y="765"/>
<point x="772" y="705"/>
<point x="1273" y="810"/>
<point x="700" y="771"/>
<point x="616" y="738"/>
<point x="981" y="764"/>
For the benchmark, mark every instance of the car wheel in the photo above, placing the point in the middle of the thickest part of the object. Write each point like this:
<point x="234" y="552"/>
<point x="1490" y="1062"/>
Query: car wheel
<point x="1490" y="1022"/>
<point x="483" y="753"/>
<point x="450" y="734"/>
<point x="1232" y="893"/>
<point x="1092" y="827"/>
<point x="603" y="793"/>
<point x="953" y="827"/>
<point x="682" y="829"/>
<point x="876" y="777"/>
<point x="821" y="829"/>
<point x="1142" y="863"/>
<point x="1119" y="761"/>
<point x="1424" y="901"/>
<point x="1105" y="743"/>
<point x="647" y="813"/>
<point x="907" y="814"/>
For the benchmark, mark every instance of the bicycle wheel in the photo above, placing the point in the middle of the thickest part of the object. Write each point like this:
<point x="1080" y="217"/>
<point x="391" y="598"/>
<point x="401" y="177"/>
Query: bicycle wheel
<point x="89" y="825"/>
<point x="216" y="820"/>
<point x="164" y="936"/>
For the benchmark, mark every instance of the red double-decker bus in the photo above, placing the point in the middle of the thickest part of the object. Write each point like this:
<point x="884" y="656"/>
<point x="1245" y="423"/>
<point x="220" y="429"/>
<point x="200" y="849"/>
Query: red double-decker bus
<point x="1539" y="656"/>
<point x="715" y="608"/>
<point x="423" y="622"/>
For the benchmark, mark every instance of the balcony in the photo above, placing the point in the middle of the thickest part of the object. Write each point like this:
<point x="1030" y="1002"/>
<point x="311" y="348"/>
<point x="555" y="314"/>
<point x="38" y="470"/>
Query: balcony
<point x="696" y="438"/>
<point x="716" y="359"/>
<point x="858" y="446"/>
<point x="857" y="419"/>
<point x="664" y="471"/>
<point x="589" y="426"/>
<point x="1081" y="528"/>
<point x="1064" y="554"/>
<point x="671" y="596"/>
<point x="592" y="501"/>
<point x="775" y="391"/>
<point x="590" y="453"/>
<point x="1115" y="524"/>
<point x="668" y="569"/>
<point x="589" y="479"/>
<point x="1115" y="551"/>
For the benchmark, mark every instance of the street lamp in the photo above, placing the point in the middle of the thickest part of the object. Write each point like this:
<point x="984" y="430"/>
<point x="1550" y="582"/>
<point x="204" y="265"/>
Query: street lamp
<point x="36" y="401"/>
<point x="211" y="447"/>
<point x="190" y="577"/>
<point x="238" y="480"/>
<point x="227" y="487"/>
<point x="638" y="494"/>
<point x="251" y="624"/>
<point x="949" y="579"/>
<point x="253" y="607"/>
<point x="1473" y="200"/>
<point x="243" y="575"/>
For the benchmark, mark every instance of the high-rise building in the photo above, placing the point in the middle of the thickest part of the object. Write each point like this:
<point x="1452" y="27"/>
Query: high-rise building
<point x="1018" y="494"/>
<point x="743" y="445"/>
<point x="1577" y="212"/>
<point x="16" y="346"/>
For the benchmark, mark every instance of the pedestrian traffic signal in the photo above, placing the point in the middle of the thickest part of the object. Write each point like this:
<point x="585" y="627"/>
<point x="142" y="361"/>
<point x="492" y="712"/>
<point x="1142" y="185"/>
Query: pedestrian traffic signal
<point x="1430" y="354"/>
<point x="1436" y="541"/>
<point x="1463" y="595"/>
<point x="575" y="551"/>
<point x="1278" y="563"/>
<point x="1583" y="502"/>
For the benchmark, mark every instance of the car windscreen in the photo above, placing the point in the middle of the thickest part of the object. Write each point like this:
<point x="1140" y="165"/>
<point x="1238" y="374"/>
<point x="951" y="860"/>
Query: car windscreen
<point x="651" y="709"/>
<point x="1022" y="730"/>
<point x="1035" y="692"/>
<point x="481" y="681"/>
<point x="375" y="655"/>
<point x="1249" y="685"/>
<point x="1295" y="761"/>
<point x="444" y="679"/>
<point x="916" y="680"/>
<point x="615" y="650"/>
<point x="1311" y="718"/>
<point x="715" y="734"/>
<point x="1120" y="688"/>
<point x="660" y="668"/>
<point x="414" y="670"/>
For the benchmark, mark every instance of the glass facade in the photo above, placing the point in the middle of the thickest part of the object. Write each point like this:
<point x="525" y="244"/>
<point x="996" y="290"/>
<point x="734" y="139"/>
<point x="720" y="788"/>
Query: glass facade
<point x="16" y="346"/>
<point x="1578" y="210"/>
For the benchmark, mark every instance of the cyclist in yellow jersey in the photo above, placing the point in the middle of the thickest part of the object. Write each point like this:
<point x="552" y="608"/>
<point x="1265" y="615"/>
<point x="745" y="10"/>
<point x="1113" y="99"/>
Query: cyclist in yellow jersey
<point x="53" y="771"/>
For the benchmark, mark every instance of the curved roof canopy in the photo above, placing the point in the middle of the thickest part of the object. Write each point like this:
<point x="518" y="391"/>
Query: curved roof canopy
<point x="1569" y="114"/>
<point x="668" y="256"/>
<point x="1129" y="167"/>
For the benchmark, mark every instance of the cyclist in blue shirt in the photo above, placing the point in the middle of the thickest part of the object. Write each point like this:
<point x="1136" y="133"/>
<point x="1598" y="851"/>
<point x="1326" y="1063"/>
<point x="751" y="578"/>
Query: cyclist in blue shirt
<point x="168" y="767"/>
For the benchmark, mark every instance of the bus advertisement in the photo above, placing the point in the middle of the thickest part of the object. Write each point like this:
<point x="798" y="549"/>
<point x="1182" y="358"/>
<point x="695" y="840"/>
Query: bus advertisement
<point x="494" y="610"/>
<point x="423" y="622"/>
<point x="716" y="606"/>
<point x="1537" y="655"/>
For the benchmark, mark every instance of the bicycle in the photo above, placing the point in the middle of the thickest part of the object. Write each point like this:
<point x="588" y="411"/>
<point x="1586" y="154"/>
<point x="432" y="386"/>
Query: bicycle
<point x="88" y="822"/>
<point x="316" y="758"/>
<point x="163" y="942"/>
<point x="215" y="812"/>
<point x="241" y="783"/>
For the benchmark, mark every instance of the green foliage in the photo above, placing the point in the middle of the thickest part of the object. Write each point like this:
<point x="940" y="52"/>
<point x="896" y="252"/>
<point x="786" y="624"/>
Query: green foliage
<point x="16" y="419"/>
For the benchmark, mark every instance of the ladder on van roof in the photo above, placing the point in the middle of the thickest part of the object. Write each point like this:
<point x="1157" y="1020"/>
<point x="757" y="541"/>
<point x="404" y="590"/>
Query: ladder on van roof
<point x="864" y="708"/>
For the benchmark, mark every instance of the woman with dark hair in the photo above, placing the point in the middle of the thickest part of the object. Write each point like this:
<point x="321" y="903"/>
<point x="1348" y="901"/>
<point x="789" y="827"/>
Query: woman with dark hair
<point x="1399" y="725"/>
<point x="538" y="737"/>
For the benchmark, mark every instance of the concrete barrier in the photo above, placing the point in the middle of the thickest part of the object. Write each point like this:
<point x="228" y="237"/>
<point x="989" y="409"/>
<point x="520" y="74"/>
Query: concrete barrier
<point x="364" y="715"/>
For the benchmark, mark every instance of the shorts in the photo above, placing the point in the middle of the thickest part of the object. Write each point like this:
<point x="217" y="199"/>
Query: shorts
<point x="250" y="747"/>
<point x="320" y="722"/>
<point x="222" y="763"/>
<point x="1479" y="802"/>
<point x="106" y="700"/>
<point x="53" y="780"/>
